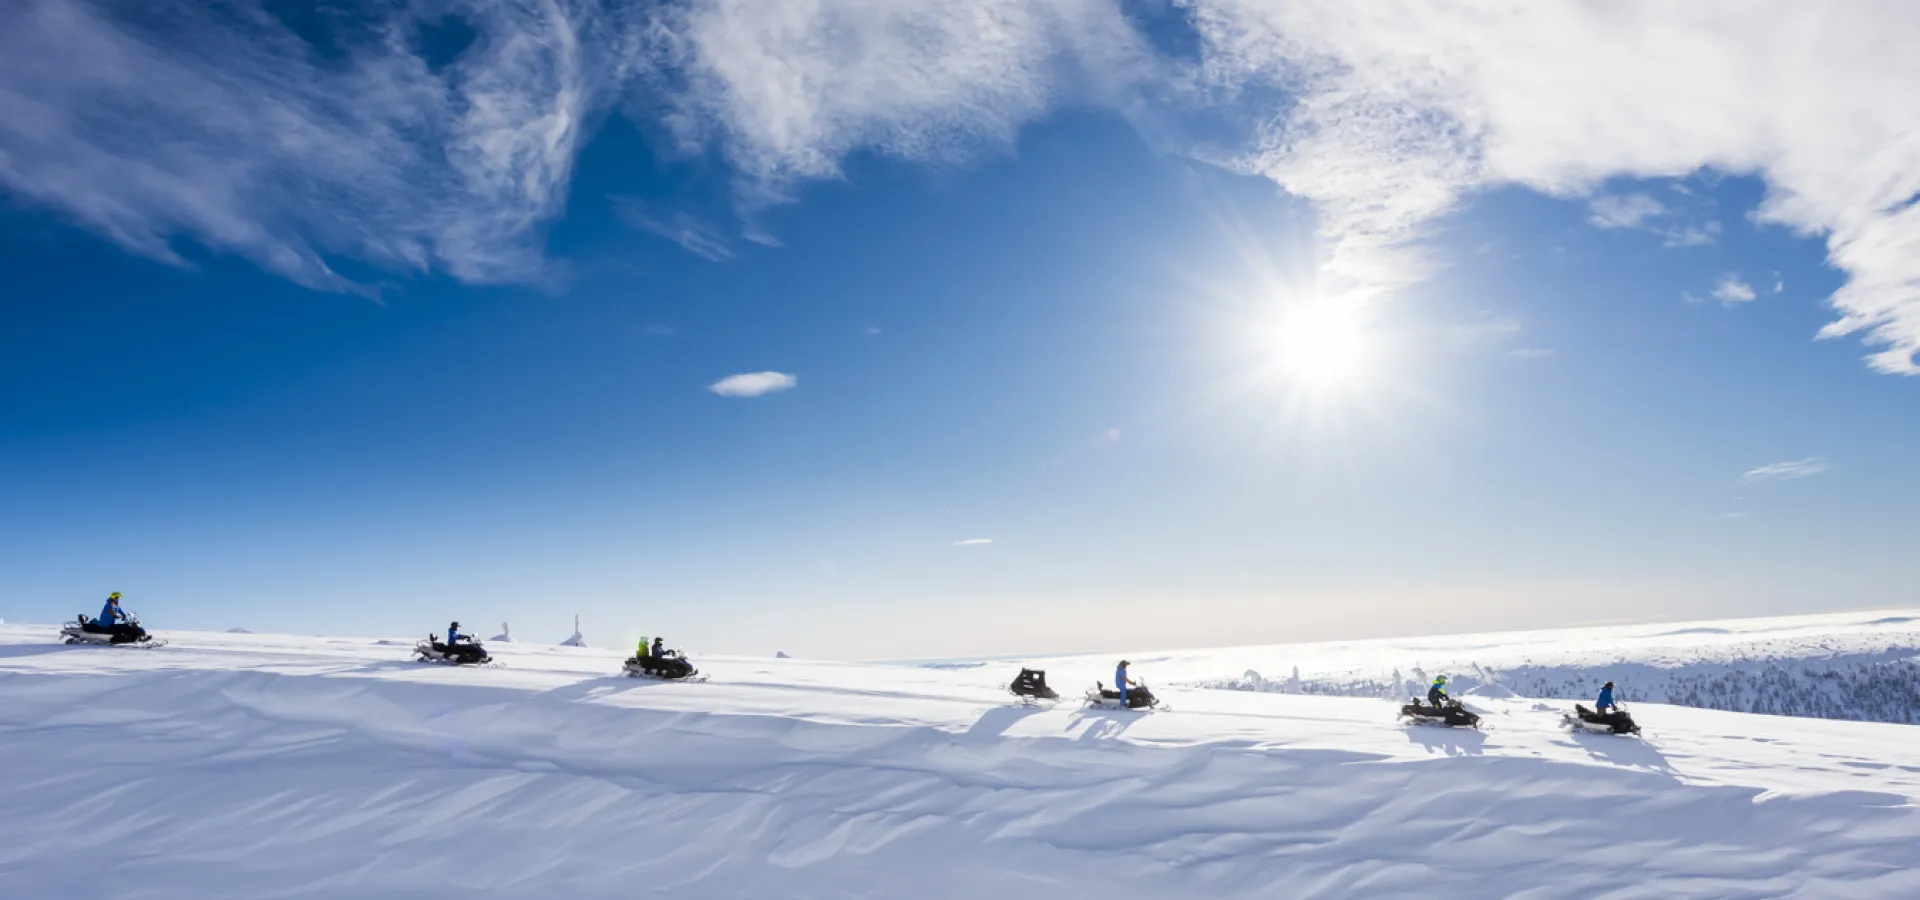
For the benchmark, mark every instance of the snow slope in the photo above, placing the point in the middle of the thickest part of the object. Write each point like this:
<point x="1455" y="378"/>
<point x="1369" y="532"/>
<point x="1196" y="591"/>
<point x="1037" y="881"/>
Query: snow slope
<point x="228" y="765"/>
<point x="1863" y="666"/>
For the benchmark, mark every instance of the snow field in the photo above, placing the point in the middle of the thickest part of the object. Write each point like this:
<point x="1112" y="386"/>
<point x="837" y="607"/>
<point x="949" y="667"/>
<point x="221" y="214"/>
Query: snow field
<point x="266" y="766"/>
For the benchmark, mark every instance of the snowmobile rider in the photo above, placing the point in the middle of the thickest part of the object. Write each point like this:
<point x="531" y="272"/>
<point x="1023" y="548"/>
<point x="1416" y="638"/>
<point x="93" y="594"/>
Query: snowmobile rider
<point x="1121" y="682"/>
<point x="115" y="621"/>
<point x="1437" y="695"/>
<point x="454" y="636"/>
<point x="1604" y="704"/>
<point x="659" y="648"/>
<point x="642" y="652"/>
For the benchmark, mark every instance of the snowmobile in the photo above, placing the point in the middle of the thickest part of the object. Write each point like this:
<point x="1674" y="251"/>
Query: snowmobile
<point x="1615" y="722"/>
<point x="1450" y="714"/>
<point x="1138" y="697"/>
<point x="90" y="631"/>
<point x="435" y="650"/>
<point x="1031" y="686"/>
<point x="670" y="665"/>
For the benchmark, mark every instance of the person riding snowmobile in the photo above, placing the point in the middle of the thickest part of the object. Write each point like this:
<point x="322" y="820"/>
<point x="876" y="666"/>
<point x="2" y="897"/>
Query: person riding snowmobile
<point x="115" y="621"/>
<point x="1437" y="694"/>
<point x="454" y="636"/>
<point x="1121" y="682"/>
<point x="643" y="652"/>
<point x="1604" y="703"/>
<point x="659" y="648"/>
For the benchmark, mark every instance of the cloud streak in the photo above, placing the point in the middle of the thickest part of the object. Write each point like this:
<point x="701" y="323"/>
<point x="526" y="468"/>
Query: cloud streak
<point x="1785" y="471"/>
<point x="754" y="384"/>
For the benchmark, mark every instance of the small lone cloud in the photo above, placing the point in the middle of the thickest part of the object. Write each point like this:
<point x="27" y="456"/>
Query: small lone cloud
<point x="1733" y="289"/>
<point x="973" y="542"/>
<point x="753" y="384"/>
<point x="1614" y="211"/>
<point x="871" y="331"/>
<point x="1783" y="471"/>
<point x="1530" y="352"/>
<point x="1691" y="235"/>
<point x="1491" y="329"/>
<point x="660" y="330"/>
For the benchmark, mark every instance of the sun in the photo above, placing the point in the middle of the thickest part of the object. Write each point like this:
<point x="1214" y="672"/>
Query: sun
<point x="1322" y="343"/>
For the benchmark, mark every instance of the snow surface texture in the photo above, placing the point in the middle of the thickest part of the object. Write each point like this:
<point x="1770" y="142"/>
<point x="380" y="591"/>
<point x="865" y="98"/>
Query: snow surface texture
<point x="253" y="766"/>
<point x="1861" y="666"/>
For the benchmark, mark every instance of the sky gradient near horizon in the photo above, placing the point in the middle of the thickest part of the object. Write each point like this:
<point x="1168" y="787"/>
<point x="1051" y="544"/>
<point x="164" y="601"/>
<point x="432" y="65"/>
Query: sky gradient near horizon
<point x="931" y="329"/>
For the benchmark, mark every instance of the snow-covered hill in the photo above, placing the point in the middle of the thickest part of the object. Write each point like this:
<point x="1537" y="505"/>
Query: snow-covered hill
<point x="1860" y="666"/>
<point x="228" y="765"/>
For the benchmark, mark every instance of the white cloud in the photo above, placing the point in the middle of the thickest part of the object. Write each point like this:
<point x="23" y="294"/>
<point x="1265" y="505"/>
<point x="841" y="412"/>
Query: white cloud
<point x="218" y="123"/>
<point x="1616" y="211"/>
<point x="1733" y="289"/>
<point x="1799" y="468"/>
<point x="1490" y="329"/>
<point x="973" y="542"/>
<point x="213" y="122"/>
<point x="787" y="89"/>
<point x="691" y="234"/>
<point x="753" y="384"/>
<point x="1530" y="352"/>
<point x="1692" y="235"/>
<point x="1404" y="107"/>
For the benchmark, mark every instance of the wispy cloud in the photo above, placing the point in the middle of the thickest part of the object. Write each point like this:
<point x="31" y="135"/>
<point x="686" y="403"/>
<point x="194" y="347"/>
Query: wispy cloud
<point x="1691" y="235"/>
<point x="1490" y="329"/>
<point x="753" y="384"/>
<point x="1623" y="211"/>
<point x="680" y="227"/>
<point x="1733" y="289"/>
<point x="1798" y="468"/>
<point x="219" y="123"/>
<point x="160" y="124"/>
<point x="1530" y="352"/>
<point x="973" y="542"/>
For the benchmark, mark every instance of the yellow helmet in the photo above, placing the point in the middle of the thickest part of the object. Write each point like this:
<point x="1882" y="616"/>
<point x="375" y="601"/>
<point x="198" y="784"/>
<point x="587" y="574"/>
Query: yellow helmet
<point x="114" y="596"/>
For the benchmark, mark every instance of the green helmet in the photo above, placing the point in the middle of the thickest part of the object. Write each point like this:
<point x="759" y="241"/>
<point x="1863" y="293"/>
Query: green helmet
<point x="1440" y="679"/>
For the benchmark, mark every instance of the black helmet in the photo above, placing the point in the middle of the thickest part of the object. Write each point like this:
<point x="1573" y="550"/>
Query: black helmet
<point x="455" y="625"/>
<point x="1124" y="664"/>
<point x="1609" y="684"/>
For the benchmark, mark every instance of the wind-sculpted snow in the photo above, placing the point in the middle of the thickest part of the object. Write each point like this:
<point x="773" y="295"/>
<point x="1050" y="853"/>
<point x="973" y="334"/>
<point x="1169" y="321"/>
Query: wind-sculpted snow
<point x="263" y="766"/>
<point x="1857" y="666"/>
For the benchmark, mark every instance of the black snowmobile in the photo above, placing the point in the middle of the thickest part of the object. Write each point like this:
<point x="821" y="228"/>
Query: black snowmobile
<point x="1138" y="697"/>
<point x="127" y="634"/>
<point x="667" y="665"/>
<point x="437" y="651"/>
<point x="1615" y="722"/>
<point x="1031" y="686"/>
<point x="1449" y="713"/>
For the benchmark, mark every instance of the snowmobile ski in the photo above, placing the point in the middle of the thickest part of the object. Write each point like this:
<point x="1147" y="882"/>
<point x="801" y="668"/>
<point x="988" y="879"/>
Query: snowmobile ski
<point x="433" y="651"/>
<point x="1451" y="714"/>
<point x="1616" y="722"/>
<point x="670" y="666"/>
<point x="88" y="631"/>
<point x="1138" y="698"/>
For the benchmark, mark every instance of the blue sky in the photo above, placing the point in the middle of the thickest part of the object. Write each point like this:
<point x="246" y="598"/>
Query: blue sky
<point x="1063" y="326"/>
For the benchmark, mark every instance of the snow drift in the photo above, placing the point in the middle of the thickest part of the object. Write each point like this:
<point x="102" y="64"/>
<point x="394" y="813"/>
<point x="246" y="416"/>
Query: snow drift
<point x="254" y="765"/>
<point x="1861" y="666"/>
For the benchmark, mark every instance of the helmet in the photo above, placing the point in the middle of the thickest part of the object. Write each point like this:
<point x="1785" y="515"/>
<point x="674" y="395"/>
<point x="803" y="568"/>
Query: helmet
<point x="1124" y="664"/>
<point x="1609" y="684"/>
<point x="1440" y="679"/>
<point x="114" y="596"/>
<point x="456" y="625"/>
